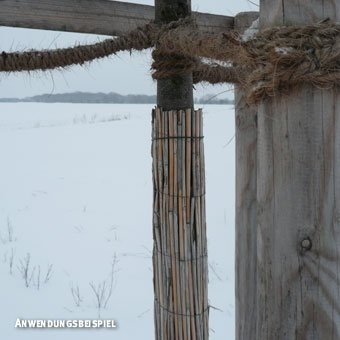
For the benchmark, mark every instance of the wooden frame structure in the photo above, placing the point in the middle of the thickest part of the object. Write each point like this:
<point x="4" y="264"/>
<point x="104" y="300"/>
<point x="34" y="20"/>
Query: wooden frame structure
<point x="287" y="185"/>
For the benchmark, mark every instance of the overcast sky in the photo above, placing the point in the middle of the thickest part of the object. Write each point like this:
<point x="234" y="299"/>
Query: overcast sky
<point x="123" y="74"/>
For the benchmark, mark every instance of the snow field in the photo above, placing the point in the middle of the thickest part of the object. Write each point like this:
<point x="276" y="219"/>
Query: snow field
<point x="75" y="194"/>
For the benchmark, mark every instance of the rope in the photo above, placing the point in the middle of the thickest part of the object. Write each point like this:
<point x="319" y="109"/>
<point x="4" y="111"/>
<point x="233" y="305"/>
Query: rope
<point x="180" y="196"/>
<point x="274" y="60"/>
<point x="199" y="258"/>
<point x="178" y="137"/>
<point x="138" y="40"/>
<point x="195" y="315"/>
<point x="216" y="74"/>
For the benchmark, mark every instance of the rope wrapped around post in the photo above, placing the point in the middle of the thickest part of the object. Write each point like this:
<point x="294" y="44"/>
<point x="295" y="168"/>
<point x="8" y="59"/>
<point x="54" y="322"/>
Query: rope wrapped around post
<point x="274" y="60"/>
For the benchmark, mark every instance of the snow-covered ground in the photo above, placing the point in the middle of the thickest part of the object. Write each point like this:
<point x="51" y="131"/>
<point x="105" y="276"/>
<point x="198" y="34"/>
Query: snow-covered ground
<point x="75" y="211"/>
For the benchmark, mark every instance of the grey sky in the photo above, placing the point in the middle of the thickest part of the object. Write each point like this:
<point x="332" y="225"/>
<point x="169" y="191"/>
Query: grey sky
<point x="123" y="74"/>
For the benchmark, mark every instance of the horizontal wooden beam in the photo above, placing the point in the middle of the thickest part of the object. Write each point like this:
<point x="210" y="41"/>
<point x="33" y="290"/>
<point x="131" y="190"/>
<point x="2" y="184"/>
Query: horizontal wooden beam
<point x="92" y="16"/>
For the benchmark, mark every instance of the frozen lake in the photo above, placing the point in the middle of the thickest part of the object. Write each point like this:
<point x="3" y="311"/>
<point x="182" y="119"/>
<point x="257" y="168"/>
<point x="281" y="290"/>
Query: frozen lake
<point x="75" y="194"/>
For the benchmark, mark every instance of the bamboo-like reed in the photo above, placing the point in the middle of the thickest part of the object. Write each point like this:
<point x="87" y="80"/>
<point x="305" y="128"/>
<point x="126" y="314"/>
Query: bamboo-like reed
<point x="179" y="226"/>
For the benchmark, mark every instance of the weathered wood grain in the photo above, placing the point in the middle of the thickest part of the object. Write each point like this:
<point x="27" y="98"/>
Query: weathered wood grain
<point x="298" y="186"/>
<point x="288" y="12"/>
<point x="246" y="212"/>
<point x="91" y="16"/>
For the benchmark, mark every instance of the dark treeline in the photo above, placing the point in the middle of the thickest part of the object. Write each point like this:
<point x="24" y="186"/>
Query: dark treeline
<point x="108" y="98"/>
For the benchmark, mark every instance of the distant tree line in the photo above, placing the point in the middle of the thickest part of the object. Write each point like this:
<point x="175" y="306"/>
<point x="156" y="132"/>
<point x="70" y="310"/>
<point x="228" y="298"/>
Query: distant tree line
<point x="106" y="98"/>
<point x="213" y="99"/>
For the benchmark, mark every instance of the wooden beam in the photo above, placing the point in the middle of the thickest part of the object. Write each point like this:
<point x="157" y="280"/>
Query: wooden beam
<point x="246" y="206"/>
<point x="298" y="199"/>
<point x="91" y="16"/>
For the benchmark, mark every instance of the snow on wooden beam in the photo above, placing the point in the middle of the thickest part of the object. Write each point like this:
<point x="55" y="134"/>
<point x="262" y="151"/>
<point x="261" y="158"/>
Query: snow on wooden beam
<point x="91" y="16"/>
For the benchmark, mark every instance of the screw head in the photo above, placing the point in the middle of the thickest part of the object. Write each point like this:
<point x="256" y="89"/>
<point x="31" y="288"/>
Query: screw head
<point x="306" y="244"/>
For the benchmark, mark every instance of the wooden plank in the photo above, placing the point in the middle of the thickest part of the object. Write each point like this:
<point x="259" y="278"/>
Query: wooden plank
<point x="91" y="16"/>
<point x="288" y="12"/>
<point x="298" y="248"/>
<point x="246" y="212"/>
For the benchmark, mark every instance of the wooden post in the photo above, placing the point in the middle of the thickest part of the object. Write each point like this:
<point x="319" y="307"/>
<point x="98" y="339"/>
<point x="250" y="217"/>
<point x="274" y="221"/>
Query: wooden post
<point x="179" y="223"/>
<point x="245" y="214"/>
<point x="174" y="93"/>
<point x="298" y="199"/>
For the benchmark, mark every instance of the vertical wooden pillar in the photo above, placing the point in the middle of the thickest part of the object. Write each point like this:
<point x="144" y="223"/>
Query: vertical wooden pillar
<point x="174" y="93"/>
<point x="179" y="222"/>
<point x="298" y="199"/>
<point x="246" y="212"/>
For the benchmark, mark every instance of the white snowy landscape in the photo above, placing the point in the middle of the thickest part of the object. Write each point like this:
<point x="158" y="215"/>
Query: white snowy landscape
<point x="75" y="219"/>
